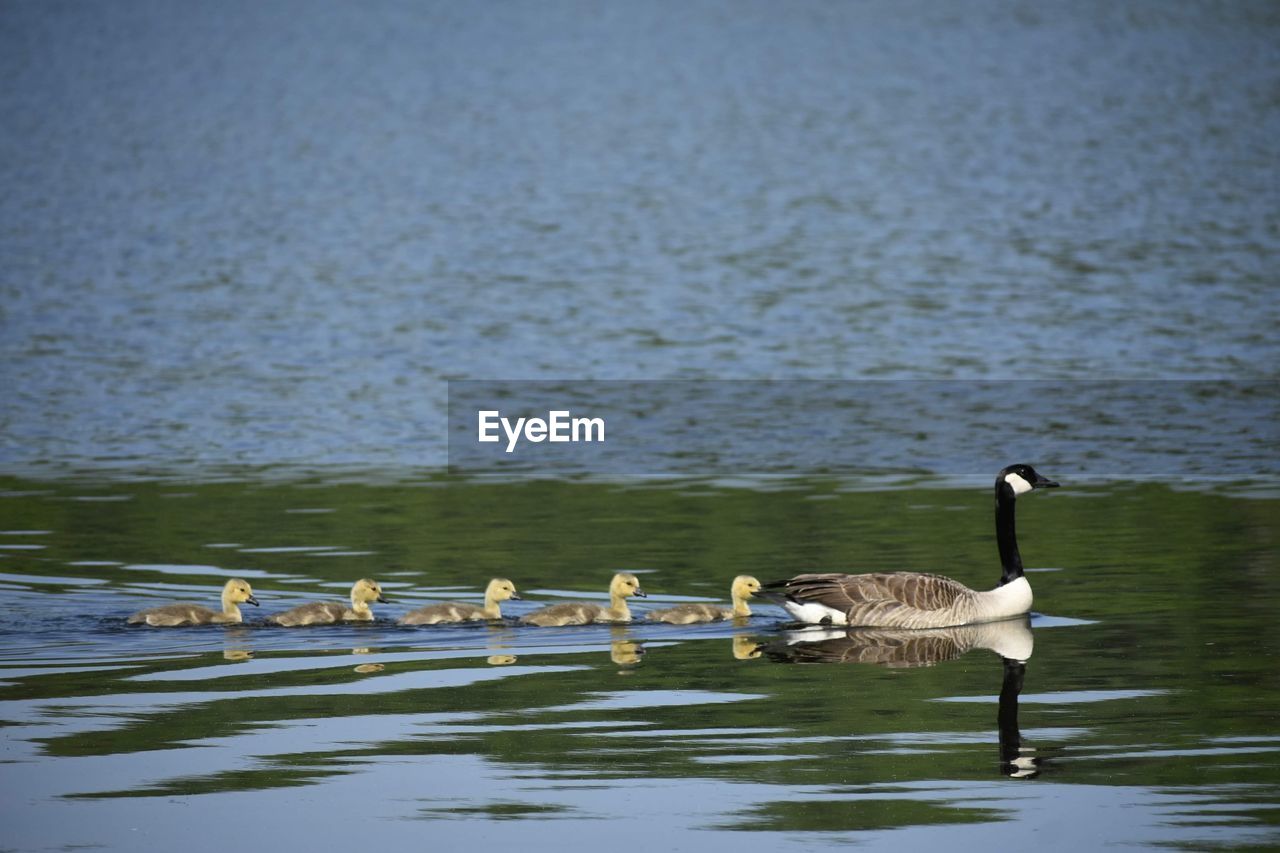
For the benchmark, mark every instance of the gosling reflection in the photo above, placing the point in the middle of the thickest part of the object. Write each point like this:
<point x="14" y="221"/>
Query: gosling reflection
<point x="626" y="654"/>
<point x="366" y="668"/>
<point x="745" y="647"/>
<point x="900" y="649"/>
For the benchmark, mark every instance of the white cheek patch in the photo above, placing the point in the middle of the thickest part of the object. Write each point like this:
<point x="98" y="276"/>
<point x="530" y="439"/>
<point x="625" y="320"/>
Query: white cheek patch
<point x="1019" y="485"/>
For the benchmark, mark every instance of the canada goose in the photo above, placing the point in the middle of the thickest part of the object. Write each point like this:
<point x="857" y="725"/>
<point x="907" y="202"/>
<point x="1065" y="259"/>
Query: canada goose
<point x="364" y="591"/>
<point x="915" y="600"/>
<point x="499" y="589"/>
<point x="623" y="586"/>
<point x="234" y="592"/>
<point x="743" y="587"/>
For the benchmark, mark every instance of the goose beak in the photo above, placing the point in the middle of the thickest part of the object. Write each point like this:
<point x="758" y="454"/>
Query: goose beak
<point x="251" y="600"/>
<point x="1043" y="483"/>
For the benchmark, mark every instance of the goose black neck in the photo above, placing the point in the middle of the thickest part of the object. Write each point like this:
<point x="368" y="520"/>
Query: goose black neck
<point x="1006" y="536"/>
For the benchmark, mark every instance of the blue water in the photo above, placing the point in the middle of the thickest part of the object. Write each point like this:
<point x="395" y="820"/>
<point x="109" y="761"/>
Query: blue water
<point x="827" y="266"/>
<point x="266" y="234"/>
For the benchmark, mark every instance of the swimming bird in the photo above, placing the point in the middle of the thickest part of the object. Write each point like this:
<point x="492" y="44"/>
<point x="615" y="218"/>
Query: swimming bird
<point x="499" y="589"/>
<point x="917" y="600"/>
<point x="742" y="588"/>
<point x="623" y="586"/>
<point x="234" y="592"/>
<point x="364" y="591"/>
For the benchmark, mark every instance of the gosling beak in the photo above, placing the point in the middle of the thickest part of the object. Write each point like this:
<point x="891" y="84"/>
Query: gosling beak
<point x="515" y="596"/>
<point x="640" y="592"/>
<point x="251" y="600"/>
<point x="382" y="599"/>
<point x="1043" y="483"/>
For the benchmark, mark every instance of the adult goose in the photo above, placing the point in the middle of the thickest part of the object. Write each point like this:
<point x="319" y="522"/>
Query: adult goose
<point x="499" y="589"/>
<point x="623" y="586"/>
<point x="234" y="593"/>
<point x="363" y="592"/>
<point x="916" y="600"/>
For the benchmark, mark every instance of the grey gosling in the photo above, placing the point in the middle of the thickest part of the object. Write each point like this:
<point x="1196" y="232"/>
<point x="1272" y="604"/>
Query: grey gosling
<point x="743" y="587"/>
<point x="499" y="589"/>
<point x="623" y="586"/>
<point x="234" y="592"/>
<point x="364" y="591"/>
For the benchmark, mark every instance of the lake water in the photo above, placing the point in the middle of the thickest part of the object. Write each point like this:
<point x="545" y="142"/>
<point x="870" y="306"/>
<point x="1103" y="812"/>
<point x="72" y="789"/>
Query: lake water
<point x="825" y="267"/>
<point x="267" y="234"/>
<point x="1146" y="714"/>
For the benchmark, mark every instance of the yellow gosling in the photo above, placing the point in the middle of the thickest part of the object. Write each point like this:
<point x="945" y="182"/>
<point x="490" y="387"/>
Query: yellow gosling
<point x="234" y="592"/>
<point x="366" y="590"/>
<point x="743" y="587"/>
<point x="499" y="589"/>
<point x="623" y="586"/>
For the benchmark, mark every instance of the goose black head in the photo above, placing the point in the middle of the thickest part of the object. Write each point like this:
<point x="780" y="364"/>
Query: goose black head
<point x="1021" y="479"/>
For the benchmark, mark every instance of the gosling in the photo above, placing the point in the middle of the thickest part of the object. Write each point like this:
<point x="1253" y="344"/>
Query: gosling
<point x="234" y="592"/>
<point x="329" y="612"/>
<point x="623" y="586"/>
<point x="499" y="589"/>
<point x="743" y="587"/>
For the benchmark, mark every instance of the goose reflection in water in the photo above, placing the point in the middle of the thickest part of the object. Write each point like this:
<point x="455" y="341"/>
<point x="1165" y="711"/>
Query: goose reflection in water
<point x="901" y="649"/>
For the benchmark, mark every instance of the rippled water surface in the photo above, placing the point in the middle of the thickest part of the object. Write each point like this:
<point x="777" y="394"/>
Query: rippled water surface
<point x="1145" y="712"/>
<point x="256" y="256"/>
<point x="267" y="233"/>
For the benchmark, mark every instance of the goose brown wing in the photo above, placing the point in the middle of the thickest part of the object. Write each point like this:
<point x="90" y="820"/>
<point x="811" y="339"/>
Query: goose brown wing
<point x="876" y="593"/>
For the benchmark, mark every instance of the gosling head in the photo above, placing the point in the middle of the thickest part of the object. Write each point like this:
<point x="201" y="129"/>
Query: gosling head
<point x="238" y="591"/>
<point x="367" y="590"/>
<point x="625" y="584"/>
<point x="501" y="589"/>
<point x="1019" y="479"/>
<point x="745" y="586"/>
